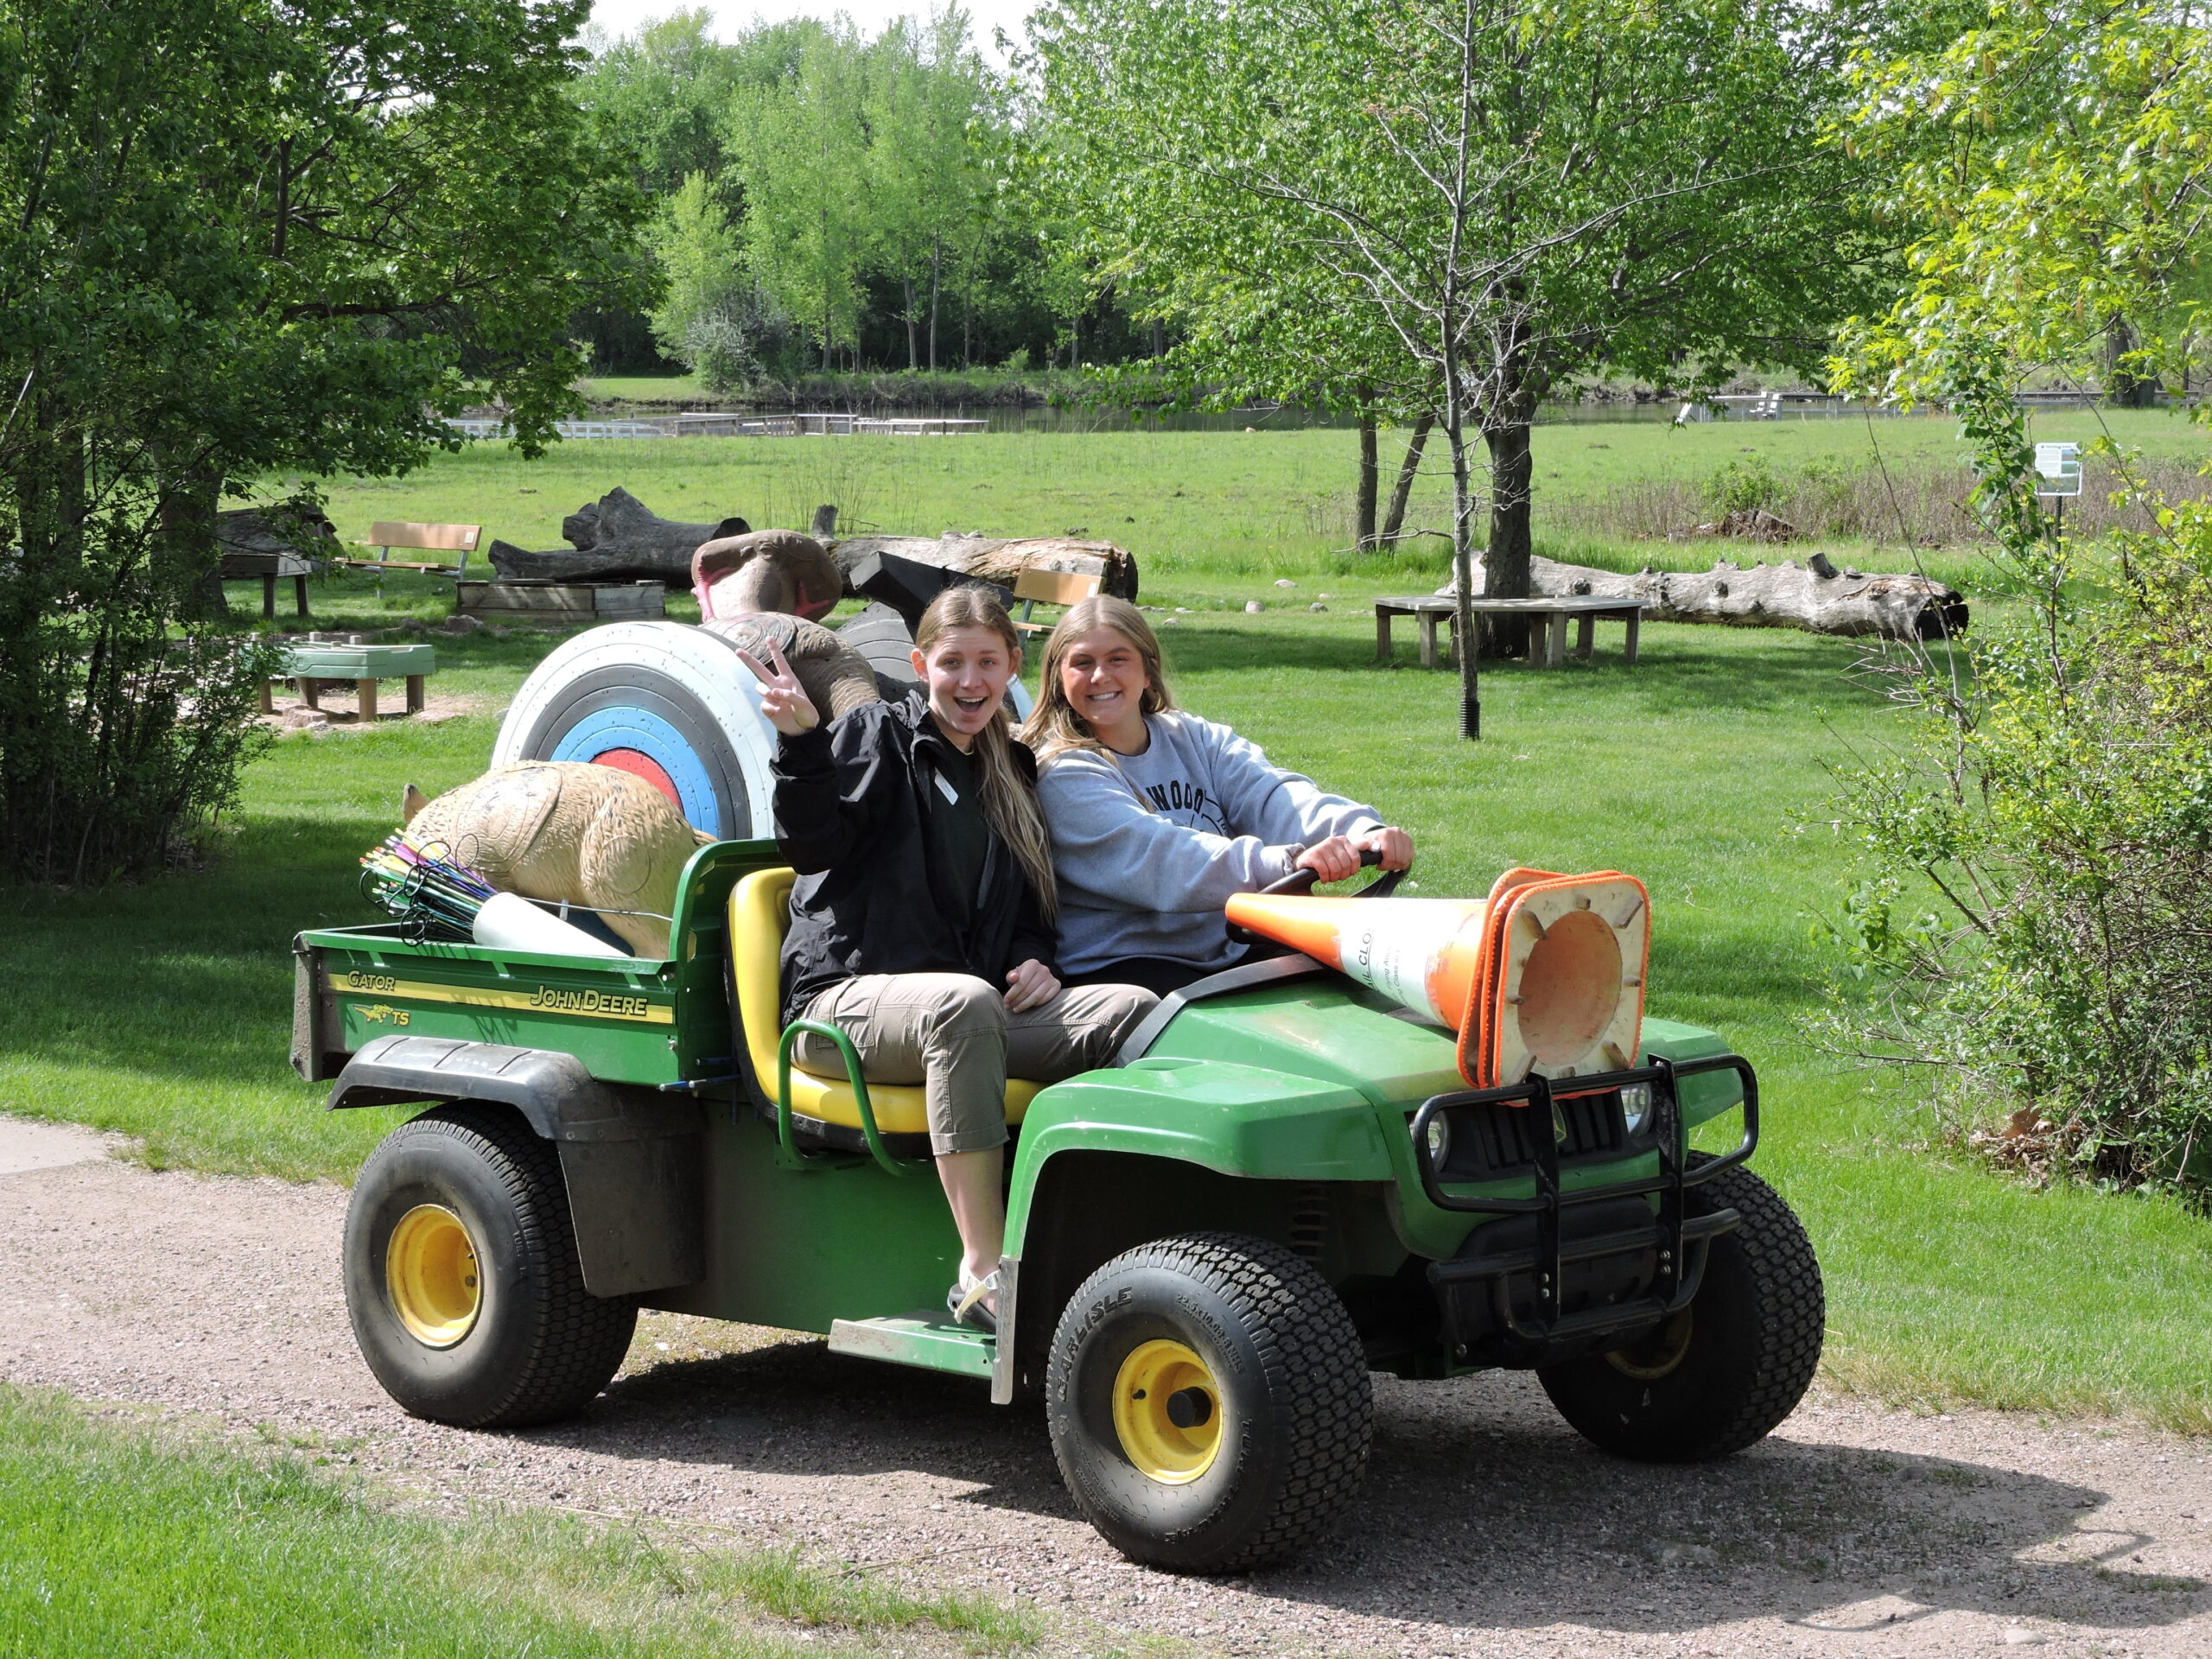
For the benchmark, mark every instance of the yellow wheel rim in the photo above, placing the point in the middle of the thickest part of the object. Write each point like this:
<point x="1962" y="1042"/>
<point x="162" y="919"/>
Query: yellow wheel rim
<point x="1167" y="1413"/>
<point x="1656" y="1354"/>
<point x="430" y="1267"/>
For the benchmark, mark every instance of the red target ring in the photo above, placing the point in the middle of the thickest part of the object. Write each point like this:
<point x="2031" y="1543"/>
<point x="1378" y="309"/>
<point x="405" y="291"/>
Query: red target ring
<point x="638" y="764"/>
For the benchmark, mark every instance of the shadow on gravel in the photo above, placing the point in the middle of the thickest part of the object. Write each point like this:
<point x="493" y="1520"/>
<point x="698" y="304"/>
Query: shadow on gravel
<point x="1481" y="1509"/>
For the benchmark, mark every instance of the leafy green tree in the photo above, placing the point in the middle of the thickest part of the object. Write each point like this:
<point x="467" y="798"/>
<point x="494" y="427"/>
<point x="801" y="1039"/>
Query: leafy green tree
<point x="1520" y="191"/>
<point x="713" y="315"/>
<point x="799" y="152"/>
<point x="239" y="240"/>
<point x="2036" y="848"/>
<point x="931" y="166"/>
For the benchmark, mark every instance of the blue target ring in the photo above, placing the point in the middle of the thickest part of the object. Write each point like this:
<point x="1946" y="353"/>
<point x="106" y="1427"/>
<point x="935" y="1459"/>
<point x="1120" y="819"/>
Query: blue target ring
<point x="618" y="727"/>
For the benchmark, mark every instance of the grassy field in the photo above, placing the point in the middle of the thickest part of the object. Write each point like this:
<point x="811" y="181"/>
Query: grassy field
<point x="118" y="1540"/>
<point x="163" y="1010"/>
<point x="1191" y="506"/>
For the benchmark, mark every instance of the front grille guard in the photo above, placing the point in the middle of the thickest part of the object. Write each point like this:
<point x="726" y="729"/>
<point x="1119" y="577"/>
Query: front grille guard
<point x="1681" y="1239"/>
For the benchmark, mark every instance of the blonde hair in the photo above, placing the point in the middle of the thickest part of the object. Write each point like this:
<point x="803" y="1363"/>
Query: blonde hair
<point x="1009" y="799"/>
<point x="1053" y="725"/>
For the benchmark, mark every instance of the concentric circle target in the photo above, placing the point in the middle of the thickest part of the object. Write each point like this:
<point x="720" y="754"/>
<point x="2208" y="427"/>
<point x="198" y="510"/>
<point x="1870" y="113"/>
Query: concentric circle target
<point x="666" y="702"/>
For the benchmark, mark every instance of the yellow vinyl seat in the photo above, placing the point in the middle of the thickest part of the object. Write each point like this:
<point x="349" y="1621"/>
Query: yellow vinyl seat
<point x="759" y="915"/>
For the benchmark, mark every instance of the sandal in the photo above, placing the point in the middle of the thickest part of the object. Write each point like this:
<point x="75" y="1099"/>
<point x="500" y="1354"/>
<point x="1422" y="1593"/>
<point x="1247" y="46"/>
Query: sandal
<point x="965" y="1300"/>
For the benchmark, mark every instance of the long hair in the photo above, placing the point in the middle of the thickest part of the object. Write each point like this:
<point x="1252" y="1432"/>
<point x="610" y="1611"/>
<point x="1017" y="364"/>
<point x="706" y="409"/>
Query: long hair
<point x="1009" y="798"/>
<point x="1054" y="724"/>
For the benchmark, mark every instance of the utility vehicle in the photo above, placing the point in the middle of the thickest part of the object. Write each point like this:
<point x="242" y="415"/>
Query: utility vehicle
<point x="1282" y="1185"/>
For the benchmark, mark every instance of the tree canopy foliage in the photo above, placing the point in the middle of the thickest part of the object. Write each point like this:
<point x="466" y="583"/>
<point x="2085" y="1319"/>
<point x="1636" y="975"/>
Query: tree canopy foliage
<point x="857" y="200"/>
<point x="1462" y="203"/>
<point x="238" y="238"/>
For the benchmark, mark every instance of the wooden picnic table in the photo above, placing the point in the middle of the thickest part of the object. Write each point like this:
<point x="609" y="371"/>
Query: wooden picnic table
<point x="1548" y="615"/>
<point x="310" y="666"/>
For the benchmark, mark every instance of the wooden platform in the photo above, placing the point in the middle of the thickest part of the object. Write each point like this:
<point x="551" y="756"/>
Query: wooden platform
<point x="1549" y="616"/>
<point x="564" y="602"/>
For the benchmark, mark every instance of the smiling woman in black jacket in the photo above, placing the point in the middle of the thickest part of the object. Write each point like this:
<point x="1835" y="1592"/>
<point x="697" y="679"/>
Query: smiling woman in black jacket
<point x="922" y="919"/>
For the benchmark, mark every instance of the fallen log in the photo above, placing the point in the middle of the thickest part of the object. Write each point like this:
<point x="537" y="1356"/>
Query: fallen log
<point x="1815" y="596"/>
<point x="567" y="564"/>
<point x="998" y="560"/>
<point x="616" y="538"/>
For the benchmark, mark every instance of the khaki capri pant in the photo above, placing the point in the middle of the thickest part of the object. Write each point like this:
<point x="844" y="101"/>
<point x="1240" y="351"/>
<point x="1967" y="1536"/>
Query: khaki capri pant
<point x="953" y="1034"/>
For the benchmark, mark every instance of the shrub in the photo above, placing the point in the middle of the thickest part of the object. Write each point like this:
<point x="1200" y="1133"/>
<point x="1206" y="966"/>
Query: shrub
<point x="2030" y="929"/>
<point x="1743" y="486"/>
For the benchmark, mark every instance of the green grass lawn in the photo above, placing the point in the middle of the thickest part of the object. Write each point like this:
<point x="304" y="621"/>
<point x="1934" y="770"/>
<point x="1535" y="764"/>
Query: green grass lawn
<point x="119" y="1540"/>
<point x="1189" y="505"/>
<point x="164" y="1011"/>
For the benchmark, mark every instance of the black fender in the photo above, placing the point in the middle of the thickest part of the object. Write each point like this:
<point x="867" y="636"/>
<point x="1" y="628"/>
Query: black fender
<point x="633" y="1160"/>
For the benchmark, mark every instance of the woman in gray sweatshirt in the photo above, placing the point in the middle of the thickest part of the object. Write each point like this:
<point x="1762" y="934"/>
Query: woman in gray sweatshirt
<point x="1157" y="816"/>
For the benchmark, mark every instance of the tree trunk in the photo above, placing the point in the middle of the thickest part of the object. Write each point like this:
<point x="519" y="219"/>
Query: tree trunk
<point x="998" y="560"/>
<point x="1158" y="338"/>
<point x="2124" y="387"/>
<point x="1410" y="469"/>
<point x="937" y="275"/>
<point x="913" y="353"/>
<point x="1368" y="471"/>
<point x="1815" y="596"/>
<point x="187" y="555"/>
<point x="1505" y="560"/>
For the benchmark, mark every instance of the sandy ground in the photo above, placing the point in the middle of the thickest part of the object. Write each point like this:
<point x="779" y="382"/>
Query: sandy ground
<point x="1485" y="1527"/>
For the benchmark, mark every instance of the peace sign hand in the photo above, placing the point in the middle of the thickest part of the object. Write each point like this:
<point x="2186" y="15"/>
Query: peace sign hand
<point x="783" y="699"/>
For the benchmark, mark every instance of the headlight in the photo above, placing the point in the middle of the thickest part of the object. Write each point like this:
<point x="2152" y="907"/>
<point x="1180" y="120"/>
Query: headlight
<point x="1636" y="1105"/>
<point x="1440" y="1139"/>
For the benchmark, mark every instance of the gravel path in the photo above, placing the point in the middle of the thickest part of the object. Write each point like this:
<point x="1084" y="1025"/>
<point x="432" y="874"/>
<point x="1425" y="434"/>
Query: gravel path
<point x="1485" y="1526"/>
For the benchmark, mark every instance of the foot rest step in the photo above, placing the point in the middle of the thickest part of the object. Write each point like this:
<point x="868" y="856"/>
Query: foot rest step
<point x="928" y="1340"/>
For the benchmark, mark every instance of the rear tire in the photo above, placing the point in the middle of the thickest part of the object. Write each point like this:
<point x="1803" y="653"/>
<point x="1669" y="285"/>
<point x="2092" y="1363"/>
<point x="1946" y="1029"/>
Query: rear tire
<point x="1729" y="1367"/>
<point x="1209" y="1402"/>
<point x="461" y="1276"/>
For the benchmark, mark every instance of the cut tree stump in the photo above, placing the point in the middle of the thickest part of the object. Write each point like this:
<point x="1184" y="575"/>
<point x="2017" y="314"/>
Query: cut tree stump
<point x="1815" y="596"/>
<point x="1000" y="561"/>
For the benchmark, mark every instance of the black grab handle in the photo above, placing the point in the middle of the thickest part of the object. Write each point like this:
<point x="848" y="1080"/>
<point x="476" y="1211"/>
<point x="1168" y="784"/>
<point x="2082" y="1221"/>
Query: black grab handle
<point x="1299" y="881"/>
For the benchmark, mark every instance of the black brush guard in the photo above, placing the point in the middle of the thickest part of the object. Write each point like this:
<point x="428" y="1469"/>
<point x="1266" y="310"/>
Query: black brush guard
<point x="1680" y="1240"/>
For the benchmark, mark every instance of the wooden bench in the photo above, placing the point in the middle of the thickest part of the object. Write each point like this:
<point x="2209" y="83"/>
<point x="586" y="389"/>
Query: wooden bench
<point x="1036" y="586"/>
<point x="309" y="667"/>
<point x="434" y="539"/>
<point x="1548" y="615"/>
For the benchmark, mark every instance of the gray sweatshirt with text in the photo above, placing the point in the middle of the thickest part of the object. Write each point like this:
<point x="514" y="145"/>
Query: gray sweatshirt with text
<point x="1149" y="846"/>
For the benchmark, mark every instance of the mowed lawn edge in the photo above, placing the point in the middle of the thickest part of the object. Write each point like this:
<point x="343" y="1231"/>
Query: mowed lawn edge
<point x="146" y="1538"/>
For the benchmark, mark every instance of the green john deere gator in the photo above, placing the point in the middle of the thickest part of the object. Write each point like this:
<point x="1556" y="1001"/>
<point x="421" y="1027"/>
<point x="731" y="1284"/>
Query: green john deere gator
<point x="1283" y="1185"/>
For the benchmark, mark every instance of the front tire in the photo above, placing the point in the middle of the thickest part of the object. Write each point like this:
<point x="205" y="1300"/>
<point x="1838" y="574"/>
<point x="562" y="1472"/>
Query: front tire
<point x="1209" y="1402"/>
<point x="1724" y="1371"/>
<point x="461" y="1277"/>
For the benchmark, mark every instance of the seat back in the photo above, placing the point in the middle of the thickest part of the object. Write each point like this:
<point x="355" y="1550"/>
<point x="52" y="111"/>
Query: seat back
<point x="759" y="916"/>
<point x="1035" y="587"/>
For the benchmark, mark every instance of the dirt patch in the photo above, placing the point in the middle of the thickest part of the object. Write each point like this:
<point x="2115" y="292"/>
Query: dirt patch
<point x="1485" y="1525"/>
<point x="338" y="710"/>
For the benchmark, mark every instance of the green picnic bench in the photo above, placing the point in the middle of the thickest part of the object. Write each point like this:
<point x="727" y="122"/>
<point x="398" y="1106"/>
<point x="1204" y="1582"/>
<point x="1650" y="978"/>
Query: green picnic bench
<point x="311" y="667"/>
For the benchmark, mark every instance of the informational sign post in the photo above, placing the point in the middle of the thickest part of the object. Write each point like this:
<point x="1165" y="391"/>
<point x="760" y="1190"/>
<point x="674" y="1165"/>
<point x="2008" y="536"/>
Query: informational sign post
<point x="2058" y="469"/>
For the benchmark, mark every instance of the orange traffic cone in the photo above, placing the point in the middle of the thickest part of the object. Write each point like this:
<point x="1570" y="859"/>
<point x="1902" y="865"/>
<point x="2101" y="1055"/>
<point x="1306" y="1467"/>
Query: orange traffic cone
<point x="1545" y="975"/>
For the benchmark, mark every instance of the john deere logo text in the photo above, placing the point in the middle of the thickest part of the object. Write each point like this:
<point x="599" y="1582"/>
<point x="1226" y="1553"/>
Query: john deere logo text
<point x="604" y="1003"/>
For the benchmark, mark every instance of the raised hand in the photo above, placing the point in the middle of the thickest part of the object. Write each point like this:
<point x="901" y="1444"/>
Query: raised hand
<point x="783" y="699"/>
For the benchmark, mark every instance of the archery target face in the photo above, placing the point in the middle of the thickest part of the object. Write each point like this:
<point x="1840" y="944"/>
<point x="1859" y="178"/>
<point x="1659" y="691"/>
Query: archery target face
<point x="665" y="702"/>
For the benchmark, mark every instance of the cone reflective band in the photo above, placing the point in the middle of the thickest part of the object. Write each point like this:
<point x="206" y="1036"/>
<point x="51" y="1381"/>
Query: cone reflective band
<point x="1422" y="952"/>
<point x="1544" y="976"/>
